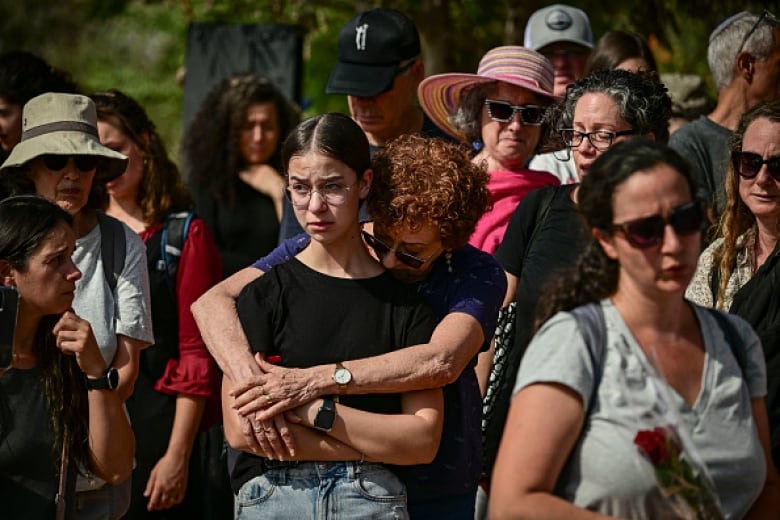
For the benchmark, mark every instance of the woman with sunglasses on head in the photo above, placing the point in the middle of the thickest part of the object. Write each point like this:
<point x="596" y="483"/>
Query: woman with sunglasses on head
<point x="739" y="271"/>
<point x="546" y="233"/>
<point x="61" y="159"/>
<point x="177" y="376"/>
<point x="572" y="437"/>
<point x="51" y="420"/>
<point x="332" y="303"/>
<point x="500" y="112"/>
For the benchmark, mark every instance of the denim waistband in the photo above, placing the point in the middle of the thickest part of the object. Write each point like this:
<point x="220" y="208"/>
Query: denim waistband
<point x="330" y="468"/>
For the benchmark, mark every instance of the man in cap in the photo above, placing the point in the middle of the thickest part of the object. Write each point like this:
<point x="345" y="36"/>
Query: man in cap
<point x="379" y="68"/>
<point x="563" y="35"/>
<point x="744" y="59"/>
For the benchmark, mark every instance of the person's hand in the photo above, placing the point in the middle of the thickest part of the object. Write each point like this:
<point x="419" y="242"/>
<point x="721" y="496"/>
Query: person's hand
<point x="265" y="179"/>
<point x="167" y="482"/>
<point x="74" y="337"/>
<point x="273" y="438"/>
<point x="275" y="391"/>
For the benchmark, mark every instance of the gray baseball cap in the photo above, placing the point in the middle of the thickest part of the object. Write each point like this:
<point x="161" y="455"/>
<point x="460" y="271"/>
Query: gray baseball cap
<point x="558" y="23"/>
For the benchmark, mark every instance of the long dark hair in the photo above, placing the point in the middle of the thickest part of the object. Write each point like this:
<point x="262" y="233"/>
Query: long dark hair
<point x="161" y="190"/>
<point x="211" y="146"/>
<point x="595" y="275"/>
<point x="615" y="47"/>
<point x="25" y="223"/>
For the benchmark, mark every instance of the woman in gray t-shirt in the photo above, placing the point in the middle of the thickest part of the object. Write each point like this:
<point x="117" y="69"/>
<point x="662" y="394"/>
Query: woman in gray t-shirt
<point x="581" y="416"/>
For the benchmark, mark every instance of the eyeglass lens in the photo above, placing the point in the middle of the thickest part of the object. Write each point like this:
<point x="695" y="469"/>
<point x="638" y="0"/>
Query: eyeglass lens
<point x="56" y="163"/>
<point x="503" y="112"/>
<point x="748" y="164"/>
<point x="649" y="231"/>
<point x="598" y="139"/>
<point x="383" y="249"/>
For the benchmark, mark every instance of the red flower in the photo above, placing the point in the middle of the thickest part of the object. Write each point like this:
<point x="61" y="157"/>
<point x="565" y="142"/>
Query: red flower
<point x="686" y="487"/>
<point x="652" y="443"/>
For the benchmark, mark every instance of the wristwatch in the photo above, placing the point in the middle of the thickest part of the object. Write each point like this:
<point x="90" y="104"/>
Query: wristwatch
<point x="109" y="381"/>
<point x="325" y="415"/>
<point x="342" y="376"/>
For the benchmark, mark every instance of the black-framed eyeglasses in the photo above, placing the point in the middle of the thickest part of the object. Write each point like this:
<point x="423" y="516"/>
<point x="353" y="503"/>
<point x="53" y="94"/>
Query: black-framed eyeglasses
<point x="504" y="112"/>
<point x="381" y="249"/>
<point x="599" y="139"/>
<point x="332" y="193"/>
<point x="646" y="232"/>
<point x="56" y="163"/>
<point x="748" y="164"/>
<point x="766" y="15"/>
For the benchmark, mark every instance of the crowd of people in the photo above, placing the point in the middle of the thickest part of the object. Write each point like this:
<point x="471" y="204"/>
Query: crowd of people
<point x="477" y="295"/>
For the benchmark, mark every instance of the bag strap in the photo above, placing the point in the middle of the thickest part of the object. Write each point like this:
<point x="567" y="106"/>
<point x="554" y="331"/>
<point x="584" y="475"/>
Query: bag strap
<point x="732" y="336"/>
<point x="112" y="248"/>
<point x="593" y="327"/>
<point x="172" y="238"/>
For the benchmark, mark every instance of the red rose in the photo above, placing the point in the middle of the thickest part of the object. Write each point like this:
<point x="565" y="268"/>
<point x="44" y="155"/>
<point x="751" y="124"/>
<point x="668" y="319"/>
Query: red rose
<point x="653" y="444"/>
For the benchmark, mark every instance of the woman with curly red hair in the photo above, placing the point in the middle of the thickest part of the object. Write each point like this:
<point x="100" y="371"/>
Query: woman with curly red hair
<point x="426" y="199"/>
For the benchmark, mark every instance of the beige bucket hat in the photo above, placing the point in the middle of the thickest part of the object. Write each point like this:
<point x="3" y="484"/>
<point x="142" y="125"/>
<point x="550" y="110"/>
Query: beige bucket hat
<point x="63" y="124"/>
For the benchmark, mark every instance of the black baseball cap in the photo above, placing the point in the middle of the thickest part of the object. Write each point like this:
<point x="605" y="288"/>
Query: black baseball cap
<point x="371" y="47"/>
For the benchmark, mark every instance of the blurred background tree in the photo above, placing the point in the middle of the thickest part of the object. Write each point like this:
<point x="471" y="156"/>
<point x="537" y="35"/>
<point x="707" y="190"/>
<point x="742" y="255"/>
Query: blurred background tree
<point x="139" y="45"/>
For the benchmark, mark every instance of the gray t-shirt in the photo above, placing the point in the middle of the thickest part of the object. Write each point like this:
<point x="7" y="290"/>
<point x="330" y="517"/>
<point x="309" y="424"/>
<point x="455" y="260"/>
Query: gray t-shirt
<point x="129" y="313"/>
<point x="605" y="472"/>
<point x="705" y="145"/>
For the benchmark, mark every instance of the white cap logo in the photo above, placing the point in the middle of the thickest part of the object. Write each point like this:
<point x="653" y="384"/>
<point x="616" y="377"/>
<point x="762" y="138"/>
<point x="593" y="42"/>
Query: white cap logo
<point x="558" y="20"/>
<point x="360" y="36"/>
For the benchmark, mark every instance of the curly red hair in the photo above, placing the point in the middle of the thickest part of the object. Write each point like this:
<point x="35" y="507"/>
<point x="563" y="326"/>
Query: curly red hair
<point x="420" y="181"/>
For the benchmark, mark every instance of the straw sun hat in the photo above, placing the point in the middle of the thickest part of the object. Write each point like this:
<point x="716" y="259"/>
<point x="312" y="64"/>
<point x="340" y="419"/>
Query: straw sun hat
<point x="63" y="124"/>
<point x="439" y="95"/>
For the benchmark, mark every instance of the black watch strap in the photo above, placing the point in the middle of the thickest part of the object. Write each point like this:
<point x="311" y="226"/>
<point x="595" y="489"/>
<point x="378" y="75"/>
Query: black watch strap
<point x="326" y="415"/>
<point x="109" y="381"/>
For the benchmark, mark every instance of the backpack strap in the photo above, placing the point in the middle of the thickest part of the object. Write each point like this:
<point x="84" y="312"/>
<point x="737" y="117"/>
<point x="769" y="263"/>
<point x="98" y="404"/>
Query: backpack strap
<point x="172" y="238"/>
<point x="732" y="336"/>
<point x="112" y="248"/>
<point x="593" y="326"/>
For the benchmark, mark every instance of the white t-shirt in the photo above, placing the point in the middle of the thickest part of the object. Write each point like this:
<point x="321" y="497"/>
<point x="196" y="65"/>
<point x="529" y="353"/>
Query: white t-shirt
<point x="129" y="313"/>
<point x="565" y="170"/>
<point x="605" y="471"/>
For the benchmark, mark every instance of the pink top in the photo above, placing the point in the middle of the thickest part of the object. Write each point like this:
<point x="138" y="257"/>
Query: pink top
<point x="194" y="372"/>
<point x="507" y="189"/>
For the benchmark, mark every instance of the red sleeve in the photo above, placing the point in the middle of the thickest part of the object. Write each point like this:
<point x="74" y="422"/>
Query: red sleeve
<point x="194" y="372"/>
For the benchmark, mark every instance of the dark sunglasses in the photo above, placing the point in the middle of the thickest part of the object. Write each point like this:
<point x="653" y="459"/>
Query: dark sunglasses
<point x="55" y="163"/>
<point x="504" y="112"/>
<point x="748" y="164"/>
<point x="649" y="231"/>
<point x="382" y="249"/>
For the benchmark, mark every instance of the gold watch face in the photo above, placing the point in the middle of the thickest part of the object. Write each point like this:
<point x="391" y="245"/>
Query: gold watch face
<point x="342" y="376"/>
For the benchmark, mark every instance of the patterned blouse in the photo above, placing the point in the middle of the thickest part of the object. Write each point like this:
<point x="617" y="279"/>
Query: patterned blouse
<point x="699" y="290"/>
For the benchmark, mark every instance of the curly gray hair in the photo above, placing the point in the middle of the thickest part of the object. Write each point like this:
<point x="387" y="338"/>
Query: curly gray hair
<point x="641" y="98"/>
